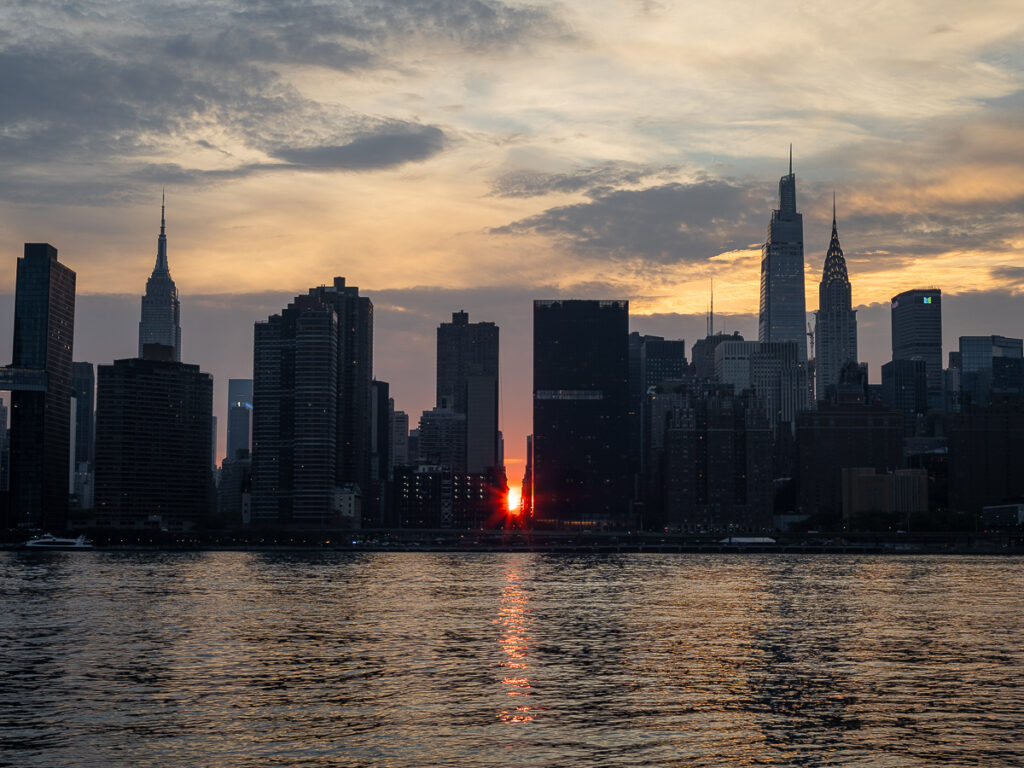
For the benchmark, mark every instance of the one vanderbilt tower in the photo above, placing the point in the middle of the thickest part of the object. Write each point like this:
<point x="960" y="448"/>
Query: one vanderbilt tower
<point x="783" y="315"/>
<point x="161" y="312"/>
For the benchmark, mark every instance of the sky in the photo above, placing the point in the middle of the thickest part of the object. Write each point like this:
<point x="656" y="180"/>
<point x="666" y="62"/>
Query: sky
<point x="475" y="155"/>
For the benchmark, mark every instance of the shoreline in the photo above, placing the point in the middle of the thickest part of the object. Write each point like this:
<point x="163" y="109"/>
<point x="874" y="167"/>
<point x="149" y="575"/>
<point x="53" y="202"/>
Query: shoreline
<point x="982" y="548"/>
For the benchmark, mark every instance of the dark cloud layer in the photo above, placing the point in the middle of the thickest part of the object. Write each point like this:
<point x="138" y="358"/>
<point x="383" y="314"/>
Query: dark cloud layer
<point x="530" y="183"/>
<point x="390" y="145"/>
<point x="667" y="224"/>
<point x="103" y="102"/>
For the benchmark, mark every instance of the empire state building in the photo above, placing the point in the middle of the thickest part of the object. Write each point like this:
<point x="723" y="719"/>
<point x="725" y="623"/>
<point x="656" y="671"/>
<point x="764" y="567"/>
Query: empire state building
<point x="161" y="312"/>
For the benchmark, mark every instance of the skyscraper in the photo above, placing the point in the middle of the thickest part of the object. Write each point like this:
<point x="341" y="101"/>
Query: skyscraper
<point x="153" y="424"/>
<point x="4" y="458"/>
<point x="161" y="311"/>
<point x="399" y="437"/>
<point x="83" y="388"/>
<point x="312" y="373"/>
<point x="40" y="382"/>
<point x="83" y="385"/>
<point x="376" y="501"/>
<point x="917" y="334"/>
<point x="239" y="416"/>
<point x="783" y="316"/>
<point x="990" y="364"/>
<point x="581" y="469"/>
<point x="835" y="330"/>
<point x="467" y="383"/>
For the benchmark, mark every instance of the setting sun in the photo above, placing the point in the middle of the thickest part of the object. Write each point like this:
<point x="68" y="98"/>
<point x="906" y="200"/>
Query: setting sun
<point x="514" y="499"/>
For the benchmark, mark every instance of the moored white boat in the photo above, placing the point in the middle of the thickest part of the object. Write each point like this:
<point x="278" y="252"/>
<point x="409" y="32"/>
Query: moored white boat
<point x="49" y="541"/>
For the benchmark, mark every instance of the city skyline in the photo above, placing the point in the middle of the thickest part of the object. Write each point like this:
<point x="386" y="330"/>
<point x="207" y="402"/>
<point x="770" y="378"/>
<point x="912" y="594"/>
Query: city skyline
<point x="478" y="161"/>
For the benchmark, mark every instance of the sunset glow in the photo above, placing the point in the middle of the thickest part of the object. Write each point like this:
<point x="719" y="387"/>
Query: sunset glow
<point x="479" y="158"/>
<point x="514" y="500"/>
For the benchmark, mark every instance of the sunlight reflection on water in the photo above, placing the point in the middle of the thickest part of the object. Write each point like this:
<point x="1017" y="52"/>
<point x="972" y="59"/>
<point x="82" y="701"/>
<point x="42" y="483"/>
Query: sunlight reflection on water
<point x="417" y="659"/>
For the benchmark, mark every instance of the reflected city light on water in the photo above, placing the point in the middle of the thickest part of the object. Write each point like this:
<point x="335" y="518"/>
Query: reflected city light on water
<point x="513" y="622"/>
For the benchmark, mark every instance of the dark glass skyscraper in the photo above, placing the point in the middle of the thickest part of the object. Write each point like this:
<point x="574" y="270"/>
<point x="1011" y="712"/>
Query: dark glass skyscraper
<point x="161" y="311"/>
<point x="581" y="468"/>
<point x="917" y="334"/>
<point x="44" y="326"/>
<point x="239" y="416"/>
<point x="312" y="374"/>
<point x="783" y="315"/>
<point x="835" y="331"/>
<point x="990" y="365"/>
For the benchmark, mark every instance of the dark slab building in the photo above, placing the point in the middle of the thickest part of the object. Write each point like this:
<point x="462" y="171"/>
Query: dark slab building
<point x="710" y="461"/>
<point x="582" y="473"/>
<point x="154" y="417"/>
<point x="841" y="436"/>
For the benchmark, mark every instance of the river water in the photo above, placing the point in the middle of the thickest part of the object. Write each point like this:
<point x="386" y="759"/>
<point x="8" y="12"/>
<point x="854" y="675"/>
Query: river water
<point x="432" y="659"/>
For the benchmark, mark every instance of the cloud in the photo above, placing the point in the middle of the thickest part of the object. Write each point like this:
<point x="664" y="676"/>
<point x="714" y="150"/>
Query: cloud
<point x="1010" y="275"/>
<point x="125" y="94"/>
<point x="533" y="183"/>
<point x="392" y="144"/>
<point x="667" y="224"/>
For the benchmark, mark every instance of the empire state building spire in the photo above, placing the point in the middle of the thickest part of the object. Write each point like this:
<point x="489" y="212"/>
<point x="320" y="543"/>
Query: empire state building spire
<point x="161" y="241"/>
<point x="161" y="311"/>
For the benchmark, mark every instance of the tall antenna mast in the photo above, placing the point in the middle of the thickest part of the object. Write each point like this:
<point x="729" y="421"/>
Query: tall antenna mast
<point x="711" y="314"/>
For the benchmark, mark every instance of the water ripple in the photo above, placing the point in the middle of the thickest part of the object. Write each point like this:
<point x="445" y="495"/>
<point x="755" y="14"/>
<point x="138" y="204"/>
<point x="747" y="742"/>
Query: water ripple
<point x="417" y="659"/>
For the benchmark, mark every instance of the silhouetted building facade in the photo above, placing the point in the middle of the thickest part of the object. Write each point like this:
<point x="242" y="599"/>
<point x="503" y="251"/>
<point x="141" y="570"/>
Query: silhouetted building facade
<point x="5" y="460"/>
<point x="239" y="435"/>
<point x="703" y="353"/>
<point x="526" y="491"/>
<point x="467" y="383"/>
<point x="989" y="365"/>
<point x="161" y="310"/>
<point x="873" y="499"/>
<point x="986" y="457"/>
<point x="153" y="423"/>
<point x="772" y="370"/>
<point x="312" y="374"/>
<point x="581" y="413"/>
<point x="40" y="378"/>
<point x="835" y="333"/>
<point x="399" y="437"/>
<point x="783" y="315"/>
<point x="376" y="503"/>
<point x="431" y="496"/>
<point x="710" y="461"/>
<point x="83" y="387"/>
<point x="234" y="491"/>
<point x="442" y="438"/>
<point x="917" y="335"/>
<point x="653" y="360"/>
<point x="905" y="389"/>
<point x="836" y="437"/>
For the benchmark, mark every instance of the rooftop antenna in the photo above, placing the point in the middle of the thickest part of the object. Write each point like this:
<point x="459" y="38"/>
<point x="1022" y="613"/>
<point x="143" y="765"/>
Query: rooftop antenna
<point x="791" y="159"/>
<point x="711" y="314"/>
